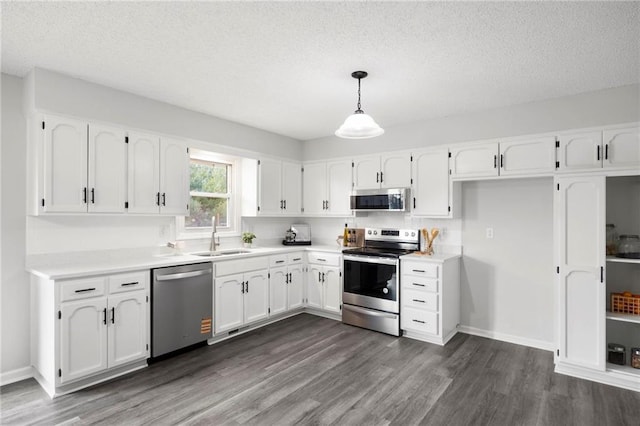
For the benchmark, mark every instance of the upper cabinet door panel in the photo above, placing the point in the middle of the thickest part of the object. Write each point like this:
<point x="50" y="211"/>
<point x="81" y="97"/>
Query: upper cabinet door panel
<point x="292" y="188"/>
<point x="339" y="187"/>
<point x="107" y="169"/>
<point x="65" y="165"/>
<point x="315" y="188"/>
<point x="431" y="183"/>
<point x="366" y="172"/>
<point x="474" y="161"/>
<point x="581" y="151"/>
<point x="622" y="148"/>
<point x="270" y="187"/>
<point x="395" y="170"/>
<point x="144" y="173"/>
<point x="174" y="177"/>
<point x="530" y="157"/>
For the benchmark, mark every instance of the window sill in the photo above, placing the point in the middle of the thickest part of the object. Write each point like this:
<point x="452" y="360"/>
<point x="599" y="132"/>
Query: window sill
<point x="206" y="235"/>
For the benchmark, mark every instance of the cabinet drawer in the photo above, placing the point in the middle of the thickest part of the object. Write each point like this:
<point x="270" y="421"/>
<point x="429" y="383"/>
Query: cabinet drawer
<point x="82" y="288"/>
<point x="241" y="266"/>
<point x="328" y="259"/>
<point x="419" y="320"/>
<point x="295" y="258"/>
<point x="278" y="260"/>
<point x="413" y="282"/>
<point x="421" y="269"/>
<point x="128" y="282"/>
<point x="419" y="300"/>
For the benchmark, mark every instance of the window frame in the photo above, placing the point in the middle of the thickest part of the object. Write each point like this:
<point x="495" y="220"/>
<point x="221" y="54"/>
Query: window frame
<point x="232" y="195"/>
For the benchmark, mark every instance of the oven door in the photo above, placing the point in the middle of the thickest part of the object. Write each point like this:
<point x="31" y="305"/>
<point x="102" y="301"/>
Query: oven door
<point x="372" y="282"/>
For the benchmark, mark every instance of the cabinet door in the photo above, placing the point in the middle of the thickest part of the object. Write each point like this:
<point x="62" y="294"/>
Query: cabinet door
<point x="127" y="318"/>
<point x="292" y="188"/>
<point x="431" y="183"/>
<point x="83" y="338"/>
<point x="315" y="188"/>
<point x="314" y="287"/>
<point x="65" y="165"/>
<point x="580" y="229"/>
<point x="174" y="177"/>
<point x="229" y="299"/>
<point x="622" y="148"/>
<point x="256" y="296"/>
<point x="366" y="172"/>
<point x="143" y="187"/>
<point x="530" y="157"/>
<point x="269" y="187"/>
<point x="582" y="151"/>
<point x="278" y="282"/>
<point x="474" y="161"/>
<point x="295" y="287"/>
<point x="332" y="289"/>
<point x="395" y="170"/>
<point x="339" y="187"/>
<point x="107" y="186"/>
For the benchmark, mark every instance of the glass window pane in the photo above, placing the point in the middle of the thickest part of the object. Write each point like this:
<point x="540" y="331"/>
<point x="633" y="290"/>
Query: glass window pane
<point x="203" y="208"/>
<point x="208" y="177"/>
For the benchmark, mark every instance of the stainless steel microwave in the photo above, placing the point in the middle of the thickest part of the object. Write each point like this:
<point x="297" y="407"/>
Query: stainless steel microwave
<point x="393" y="200"/>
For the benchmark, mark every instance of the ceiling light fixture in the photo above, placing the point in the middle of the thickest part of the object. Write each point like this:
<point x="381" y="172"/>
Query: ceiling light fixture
<point x="359" y="125"/>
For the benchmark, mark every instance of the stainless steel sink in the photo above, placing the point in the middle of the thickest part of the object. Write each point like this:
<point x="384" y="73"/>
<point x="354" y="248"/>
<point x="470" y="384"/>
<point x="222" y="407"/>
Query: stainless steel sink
<point x="220" y="253"/>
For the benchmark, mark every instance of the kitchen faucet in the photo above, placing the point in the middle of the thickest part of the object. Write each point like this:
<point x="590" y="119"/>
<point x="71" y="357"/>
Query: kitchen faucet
<point x="214" y="244"/>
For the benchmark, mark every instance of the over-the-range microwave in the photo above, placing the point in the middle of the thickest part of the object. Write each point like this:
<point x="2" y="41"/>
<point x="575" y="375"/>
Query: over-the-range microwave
<point x="393" y="200"/>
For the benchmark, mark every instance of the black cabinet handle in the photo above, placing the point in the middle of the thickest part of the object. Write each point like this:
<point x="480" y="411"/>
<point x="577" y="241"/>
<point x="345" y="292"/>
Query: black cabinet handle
<point x="113" y="315"/>
<point x="419" y="270"/>
<point x="84" y="194"/>
<point x="419" y="301"/>
<point x="247" y="289"/>
<point x="377" y="177"/>
<point x="414" y="202"/>
<point x="93" y="195"/>
<point x="419" y="285"/>
<point x="280" y="204"/>
<point x="286" y="278"/>
<point x="242" y="287"/>
<point x="501" y="161"/>
<point x="295" y="259"/>
<point x="495" y="161"/>
<point x="158" y="199"/>
<point x="84" y="290"/>
<point x="290" y="277"/>
<point x="598" y="152"/>
<point x="606" y="152"/>
<point x="322" y="260"/>
<point x="602" y="274"/>
<point x="323" y="277"/>
<point x="104" y="316"/>
<point x="381" y="177"/>
<point x="415" y="320"/>
<point x="164" y="198"/>
<point x="319" y="276"/>
<point x="279" y="261"/>
<point x="127" y="284"/>
<point x="327" y="204"/>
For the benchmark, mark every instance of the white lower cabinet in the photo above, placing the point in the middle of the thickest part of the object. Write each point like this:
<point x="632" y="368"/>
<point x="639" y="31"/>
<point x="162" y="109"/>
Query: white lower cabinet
<point x="286" y="282"/>
<point x="430" y="297"/>
<point x="324" y="282"/>
<point x="102" y="323"/>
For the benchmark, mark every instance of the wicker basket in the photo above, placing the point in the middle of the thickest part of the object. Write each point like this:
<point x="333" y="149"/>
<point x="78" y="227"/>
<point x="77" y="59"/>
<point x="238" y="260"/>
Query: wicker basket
<point x="624" y="304"/>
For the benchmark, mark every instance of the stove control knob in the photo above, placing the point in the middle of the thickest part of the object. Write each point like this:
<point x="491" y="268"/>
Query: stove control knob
<point x="369" y="232"/>
<point x="375" y="232"/>
<point x="413" y="234"/>
<point x="406" y="234"/>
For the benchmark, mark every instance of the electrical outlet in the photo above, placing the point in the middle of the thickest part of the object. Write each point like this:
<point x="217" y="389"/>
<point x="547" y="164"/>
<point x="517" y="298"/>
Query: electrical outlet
<point x="489" y="233"/>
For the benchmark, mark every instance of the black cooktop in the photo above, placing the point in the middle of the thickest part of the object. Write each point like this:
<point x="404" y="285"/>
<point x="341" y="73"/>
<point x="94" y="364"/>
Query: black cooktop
<point x="377" y="251"/>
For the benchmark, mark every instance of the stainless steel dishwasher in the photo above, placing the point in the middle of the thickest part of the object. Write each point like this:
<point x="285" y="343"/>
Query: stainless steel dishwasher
<point x="181" y="307"/>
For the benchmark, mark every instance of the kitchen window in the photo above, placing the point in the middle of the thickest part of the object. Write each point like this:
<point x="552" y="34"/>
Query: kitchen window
<point x="212" y="194"/>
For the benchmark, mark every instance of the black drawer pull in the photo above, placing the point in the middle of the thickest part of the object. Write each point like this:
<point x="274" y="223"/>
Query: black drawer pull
<point x="104" y="316"/>
<point x="132" y="283"/>
<point x="419" y="270"/>
<point x="279" y="261"/>
<point x="322" y="260"/>
<point x="297" y="258"/>
<point x="419" y="301"/>
<point x="419" y="285"/>
<point x="84" y="290"/>
<point x="421" y="322"/>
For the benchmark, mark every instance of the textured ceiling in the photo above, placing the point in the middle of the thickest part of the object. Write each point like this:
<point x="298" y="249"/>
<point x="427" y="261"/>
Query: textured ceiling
<point x="285" y="66"/>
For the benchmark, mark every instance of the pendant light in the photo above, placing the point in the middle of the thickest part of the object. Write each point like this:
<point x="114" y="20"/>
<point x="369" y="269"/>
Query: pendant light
<point x="359" y="125"/>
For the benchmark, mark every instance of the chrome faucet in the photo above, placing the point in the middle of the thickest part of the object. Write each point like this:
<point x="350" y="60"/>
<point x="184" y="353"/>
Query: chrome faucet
<point x="214" y="243"/>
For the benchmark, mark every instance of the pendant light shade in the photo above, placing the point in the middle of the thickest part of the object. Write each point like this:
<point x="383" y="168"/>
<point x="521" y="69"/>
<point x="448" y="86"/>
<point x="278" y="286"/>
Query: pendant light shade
<point x="359" y="125"/>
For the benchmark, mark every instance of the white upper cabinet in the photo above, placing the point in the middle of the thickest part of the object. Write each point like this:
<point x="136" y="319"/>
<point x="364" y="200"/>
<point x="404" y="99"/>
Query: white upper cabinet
<point x="391" y="170"/>
<point x="107" y="181"/>
<point x="580" y="151"/>
<point x="431" y="189"/>
<point x="535" y="156"/>
<point x="158" y="175"/>
<point x="474" y="161"/>
<point x="326" y="188"/>
<point x="622" y="148"/>
<point x="65" y="165"/>
<point x="279" y="188"/>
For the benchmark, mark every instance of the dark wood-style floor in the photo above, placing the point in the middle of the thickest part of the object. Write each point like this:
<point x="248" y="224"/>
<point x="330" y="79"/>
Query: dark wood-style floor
<point x="311" y="370"/>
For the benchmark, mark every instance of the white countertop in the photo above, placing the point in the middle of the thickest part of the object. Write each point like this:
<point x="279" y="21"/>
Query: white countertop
<point x="82" y="264"/>
<point x="436" y="257"/>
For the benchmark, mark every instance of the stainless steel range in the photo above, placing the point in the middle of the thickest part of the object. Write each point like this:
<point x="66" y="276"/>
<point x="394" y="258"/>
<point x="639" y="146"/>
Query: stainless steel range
<point x="371" y="295"/>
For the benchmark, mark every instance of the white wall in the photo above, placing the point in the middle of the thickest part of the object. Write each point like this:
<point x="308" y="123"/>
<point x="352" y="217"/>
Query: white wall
<point x="14" y="281"/>
<point x="507" y="281"/>
<point x="610" y="106"/>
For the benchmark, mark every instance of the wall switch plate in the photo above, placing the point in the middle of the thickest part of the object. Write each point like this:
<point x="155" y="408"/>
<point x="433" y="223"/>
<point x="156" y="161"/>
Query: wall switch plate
<point x="489" y="233"/>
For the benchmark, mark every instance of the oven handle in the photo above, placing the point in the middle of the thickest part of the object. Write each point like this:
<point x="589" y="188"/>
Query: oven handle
<point x="368" y="312"/>
<point x="371" y="259"/>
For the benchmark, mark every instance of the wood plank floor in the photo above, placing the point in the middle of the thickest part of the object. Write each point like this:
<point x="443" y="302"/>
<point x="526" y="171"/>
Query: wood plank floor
<point x="311" y="370"/>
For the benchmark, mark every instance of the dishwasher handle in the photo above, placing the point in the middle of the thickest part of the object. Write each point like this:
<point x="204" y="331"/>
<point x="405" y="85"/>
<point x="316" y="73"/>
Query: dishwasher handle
<point x="181" y="275"/>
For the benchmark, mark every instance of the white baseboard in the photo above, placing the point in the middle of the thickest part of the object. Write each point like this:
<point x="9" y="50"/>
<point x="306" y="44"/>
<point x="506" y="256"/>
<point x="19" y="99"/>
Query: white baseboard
<point x="509" y="338"/>
<point x="16" y="375"/>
